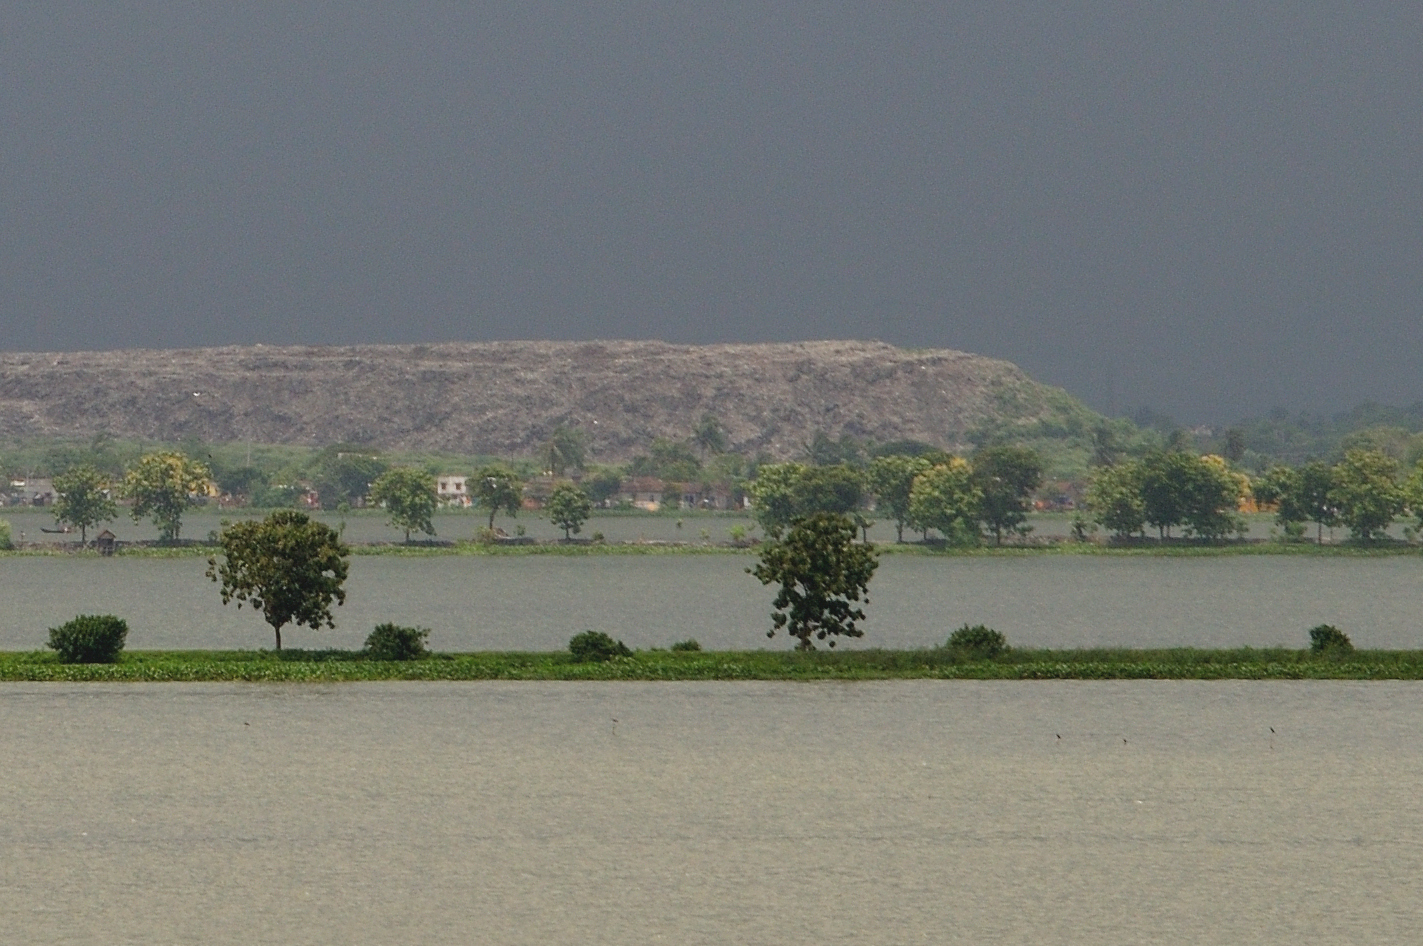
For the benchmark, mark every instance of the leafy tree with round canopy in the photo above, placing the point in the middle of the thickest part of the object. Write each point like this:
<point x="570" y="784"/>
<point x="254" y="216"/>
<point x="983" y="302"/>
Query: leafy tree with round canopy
<point x="345" y="475"/>
<point x="1210" y="496"/>
<point x="772" y="493"/>
<point x="838" y="488"/>
<point x="163" y="486"/>
<point x="1114" y="498"/>
<point x="82" y="499"/>
<point x="890" y="479"/>
<point x="1367" y="493"/>
<point x="287" y="566"/>
<point x="1164" y="476"/>
<point x="1006" y="478"/>
<point x="409" y="496"/>
<point x="824" y="575"/>
<point x="944" y="498"/>
<point x="568" y="508"/>
<point x="496" y="488"/>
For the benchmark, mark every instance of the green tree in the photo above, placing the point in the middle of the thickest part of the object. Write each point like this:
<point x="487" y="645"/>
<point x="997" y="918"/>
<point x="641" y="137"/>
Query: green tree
<point x="163" y="486"/>
<point x="1413" y="493"/>
<point x="286" y="566"/>
<point x="568" y="508"/>
<point x="1310" y="498"/>
<point x="772" y="493"/>
<point x="1005" y="478"/>
<point x="345" y="475"/>
<point x="1164" y="477"/>
<point x="1367" y="493"/>
<point x="838" y="488"/>
<point x="1279" y="487"/>
<point x="603" y="485"/>
<point x="83" y="500"/>
<point x="890" y="479"/>
<point x="944" y="498"/>
<point x="410" y="498"/>
<point x="1210" y="496"/>
<point x="566" y="449"/>
<point x="710" y="436"/>
<point x="1114" y="498"/>
<point x="823" y="575"/>
<point x="670" y="460"/>
<point x="496" y="488"/>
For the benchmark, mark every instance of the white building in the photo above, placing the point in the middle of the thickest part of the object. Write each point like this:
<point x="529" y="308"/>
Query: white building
<point x="453" y="490"/>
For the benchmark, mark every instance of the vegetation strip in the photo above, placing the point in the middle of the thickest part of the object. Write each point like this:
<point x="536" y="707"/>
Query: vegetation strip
<point x="332" y="666"/>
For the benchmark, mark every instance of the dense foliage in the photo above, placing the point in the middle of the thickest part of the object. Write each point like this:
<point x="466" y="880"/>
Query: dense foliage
<point x="287" y="566"/>
<point x="979" y="642"/>
<point x="568" y="507"/>
<point x="823" y="576"/>
<point x="162" y="486"/>
<point x="393" y="642"/>
<point x="1326" y="638"/>
<point x="89" y="639"/>
<point x="590" y="646"/>
<point x="409" y="496"/>
<point x="83" y="499"/>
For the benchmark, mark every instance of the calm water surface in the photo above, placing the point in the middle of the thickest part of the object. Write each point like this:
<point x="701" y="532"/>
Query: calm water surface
<point x="895" y="813"/>
<point x="539" y="602"/>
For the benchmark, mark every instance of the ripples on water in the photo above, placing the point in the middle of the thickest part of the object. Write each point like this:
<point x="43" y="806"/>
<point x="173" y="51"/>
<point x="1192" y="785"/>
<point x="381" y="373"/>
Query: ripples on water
<point x="712" y="813"/>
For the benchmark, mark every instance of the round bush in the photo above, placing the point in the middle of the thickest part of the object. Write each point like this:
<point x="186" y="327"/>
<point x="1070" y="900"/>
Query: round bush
<point x="1326" y="638"/>
<point x="89" y="639"/>
<point x="979" y="641"/>
<point x="393" y="642"/>
<point x="595" y="646"/>
<point x="689" y="644"/>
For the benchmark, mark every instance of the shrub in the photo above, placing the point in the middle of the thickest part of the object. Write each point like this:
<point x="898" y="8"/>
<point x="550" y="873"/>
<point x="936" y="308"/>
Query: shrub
<point x="687" y="645"/>
<point x="1328" y="639"/>
<point x="89" y="639"/>
<point x="6" y="542"/>
<point x="393" y="642"/>
<point x="592" y="646"/>
<point x="980" y="642"/>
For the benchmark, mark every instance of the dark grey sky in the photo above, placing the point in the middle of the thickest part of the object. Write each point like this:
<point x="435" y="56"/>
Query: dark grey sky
<point x="1208" y="208"/>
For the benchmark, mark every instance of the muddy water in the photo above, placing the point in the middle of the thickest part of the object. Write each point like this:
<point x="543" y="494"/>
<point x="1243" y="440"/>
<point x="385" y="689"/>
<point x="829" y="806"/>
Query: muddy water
<point x="712" y="813"/>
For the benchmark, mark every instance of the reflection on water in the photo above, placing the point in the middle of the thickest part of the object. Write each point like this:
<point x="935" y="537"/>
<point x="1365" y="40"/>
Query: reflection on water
<point x="539" y="602"/>
<point x="712" y="813"/>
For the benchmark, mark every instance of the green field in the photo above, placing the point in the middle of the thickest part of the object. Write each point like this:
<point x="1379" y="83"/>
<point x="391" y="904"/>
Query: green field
<point x="937" y="663"/>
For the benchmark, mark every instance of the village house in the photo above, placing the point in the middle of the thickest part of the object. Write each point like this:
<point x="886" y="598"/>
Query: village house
<point x="35" y="491"/>
<point x="641" y="492"/>
<point x="453" y="490"/>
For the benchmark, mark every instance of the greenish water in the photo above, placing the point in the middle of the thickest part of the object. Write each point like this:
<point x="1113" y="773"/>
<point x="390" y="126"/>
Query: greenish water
<point x="712" y="813"/>
<point x="539" y="602"/>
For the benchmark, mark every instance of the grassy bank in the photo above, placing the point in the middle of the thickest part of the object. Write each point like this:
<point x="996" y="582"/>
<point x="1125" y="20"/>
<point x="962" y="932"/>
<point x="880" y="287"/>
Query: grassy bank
<point x="338" y="666"/>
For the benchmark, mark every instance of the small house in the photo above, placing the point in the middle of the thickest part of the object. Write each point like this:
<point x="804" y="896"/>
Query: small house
<point x="453" y="490"/>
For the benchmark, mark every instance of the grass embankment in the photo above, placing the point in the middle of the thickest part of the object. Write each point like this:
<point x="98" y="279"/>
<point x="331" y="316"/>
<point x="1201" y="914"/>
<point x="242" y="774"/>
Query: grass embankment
<point x="339" y="666"/>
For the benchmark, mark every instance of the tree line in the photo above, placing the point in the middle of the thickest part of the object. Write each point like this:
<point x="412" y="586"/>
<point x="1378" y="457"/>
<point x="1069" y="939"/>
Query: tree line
<point x="959" y="499"/>
<point x="1202" y="496"/>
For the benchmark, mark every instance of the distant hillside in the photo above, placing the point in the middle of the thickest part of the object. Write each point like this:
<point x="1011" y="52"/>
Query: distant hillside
<point x="505" y="398"/>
